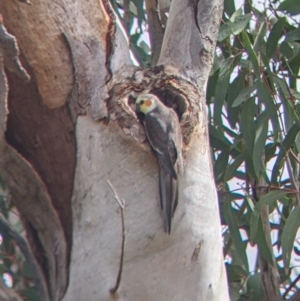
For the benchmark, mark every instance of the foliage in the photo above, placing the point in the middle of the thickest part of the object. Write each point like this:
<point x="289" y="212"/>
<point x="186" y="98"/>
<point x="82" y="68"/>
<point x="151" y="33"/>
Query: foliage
<point x="15" y="271"/>
<point x="254" y="135"/>
<point x="254" y="126"/>
<point x="133" y="17"/>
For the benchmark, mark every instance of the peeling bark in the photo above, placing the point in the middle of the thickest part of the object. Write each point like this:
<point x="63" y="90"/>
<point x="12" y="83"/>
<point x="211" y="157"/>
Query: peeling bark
<point x="30" y="195"/>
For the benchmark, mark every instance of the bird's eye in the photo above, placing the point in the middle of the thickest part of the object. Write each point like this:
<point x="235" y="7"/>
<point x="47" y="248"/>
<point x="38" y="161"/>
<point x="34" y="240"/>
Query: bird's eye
<point x="142" y="102"/>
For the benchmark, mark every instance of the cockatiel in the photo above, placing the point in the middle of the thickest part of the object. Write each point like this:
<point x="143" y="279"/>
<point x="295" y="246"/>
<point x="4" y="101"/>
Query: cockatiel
<point x="164" y="134"/>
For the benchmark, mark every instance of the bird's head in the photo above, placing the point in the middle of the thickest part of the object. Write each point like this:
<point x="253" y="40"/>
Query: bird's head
<point x="146" y="103"/>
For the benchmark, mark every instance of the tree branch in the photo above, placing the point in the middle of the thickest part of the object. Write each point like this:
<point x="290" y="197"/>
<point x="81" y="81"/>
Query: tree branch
<point x="291" y="286"/>
<point x="122" y="206"/>
<point x="190" y="36"/>
<point x="155" y="29"/>
<point x="295" y="297"/>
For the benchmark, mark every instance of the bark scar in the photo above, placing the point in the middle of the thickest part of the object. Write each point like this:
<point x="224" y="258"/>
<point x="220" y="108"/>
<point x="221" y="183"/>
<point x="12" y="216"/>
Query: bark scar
<point x="121" y="203"/>
<point x="109" y="38"/>
<point x="196" y="252"/>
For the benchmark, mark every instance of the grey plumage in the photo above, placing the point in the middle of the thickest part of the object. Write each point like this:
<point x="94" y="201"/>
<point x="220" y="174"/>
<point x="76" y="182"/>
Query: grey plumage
<point x="164" y="134"/>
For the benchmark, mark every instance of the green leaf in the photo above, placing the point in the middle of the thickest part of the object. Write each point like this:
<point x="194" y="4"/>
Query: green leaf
<point x="229" y="7"/>
<point x="274" y="37"/>
<point x="225" y="31"/>
<point x="240" y="23"/>
<point x="252" y="54"/>
<point x="221" y="164"/>
<point x="231" y="133"/>
<point x="287" y="143"/>
<point x="294" y="66"/>
<point x="267" y="199"/>
<point x="290" y="114"/>
<point x="259" y="146"/>
<point x="217" y="140"/>
<point x="259" y="39"/>
<point x="222" y="84"/>
<point x="261" y="118"/>
<point x="270" y="150"/>
<point x="293" y="35"/>
<point x="134" y="38"/>
<point x="235" y="272"/>
<point x="234" y="27"/>
<point x="145" y="47"/>
<point x="140" y="55"/>
<point x="247" y="123"/>
<point x="260" y="239"/>
<point x="286" y="50"/>
<point x="227" y="67"/>
<point x="295" y="47"/>
<point x="284" y="274"/>
<point x="218" y="61"/>
<point x="266" y="98"/>
<point x="270" y="76"/>
<point x="133" y="8"/>
<point x="297" y="142"/>
<point x="234" y="89"/>
<point x="254" y="219"/>
<point x="231" y="221"/>
<point x="211" y="88"/>
<point x="231" y="170"/>
<point x="292" y="7"/>
<point x="244" y="95"/>
<point x="288" y="235"/>
<point x="250" y="203"/>
<point x="237" y="13"/>
<point x="140" y="11"/>
<point x="255" y="288"/>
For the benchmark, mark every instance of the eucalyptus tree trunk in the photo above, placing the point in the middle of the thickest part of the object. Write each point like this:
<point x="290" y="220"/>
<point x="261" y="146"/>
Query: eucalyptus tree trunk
<point x="73" y="141"/>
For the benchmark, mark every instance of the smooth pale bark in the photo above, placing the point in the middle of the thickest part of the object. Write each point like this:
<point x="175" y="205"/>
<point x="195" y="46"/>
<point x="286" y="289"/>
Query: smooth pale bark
<point x="156" y="266"/>
<point x="93" y="56"/>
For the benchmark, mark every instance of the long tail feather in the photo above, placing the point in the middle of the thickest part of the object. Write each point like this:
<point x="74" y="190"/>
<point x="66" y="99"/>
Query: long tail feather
<point x="168" y="197"/>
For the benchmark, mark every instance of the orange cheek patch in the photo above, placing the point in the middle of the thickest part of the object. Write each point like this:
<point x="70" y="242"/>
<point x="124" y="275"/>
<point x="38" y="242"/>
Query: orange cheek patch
<point x="148" y="102"/>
